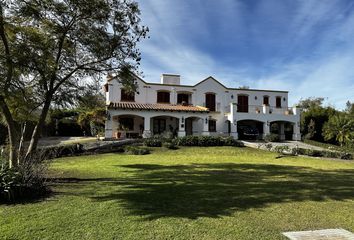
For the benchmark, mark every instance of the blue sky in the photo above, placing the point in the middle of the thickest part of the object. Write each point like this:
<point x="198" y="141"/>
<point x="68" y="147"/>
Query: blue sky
<point x="304" y="46"/>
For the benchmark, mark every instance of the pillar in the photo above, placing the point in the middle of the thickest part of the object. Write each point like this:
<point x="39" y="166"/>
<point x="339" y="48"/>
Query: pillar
<point x="206" y="127"/>
<point x="296" y="132"/>
<point x="266" y="128"/>
<point x="234" y="133"/>
<point x="182" y="127"/>
<point x="108" y="129"/>
<point x="282" y="131"/>
<point x="147" y="125"/>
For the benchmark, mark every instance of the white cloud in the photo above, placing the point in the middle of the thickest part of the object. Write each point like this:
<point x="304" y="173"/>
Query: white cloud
<point x="326" y="70"/>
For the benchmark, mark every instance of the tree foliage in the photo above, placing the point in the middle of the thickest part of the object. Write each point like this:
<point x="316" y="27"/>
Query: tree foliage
<point x="49" y="46"/>
<point x="340" y="128"/>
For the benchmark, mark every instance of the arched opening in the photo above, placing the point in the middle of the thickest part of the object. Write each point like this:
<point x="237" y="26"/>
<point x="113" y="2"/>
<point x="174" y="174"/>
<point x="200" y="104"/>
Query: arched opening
<point x="164" y="125"/>
<point x="193" y="126"/>
<point x="250" y="129"/>
<point x="284" y="129"/>
<point x="127" y="126"/>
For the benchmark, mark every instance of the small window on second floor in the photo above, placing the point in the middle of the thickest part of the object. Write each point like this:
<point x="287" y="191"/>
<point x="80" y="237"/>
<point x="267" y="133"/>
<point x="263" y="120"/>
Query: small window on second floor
<point x="126" y="96"/>
<point x="266" y="100"/>
<point x="163" y="97"/>
<point x="278" y="102"/>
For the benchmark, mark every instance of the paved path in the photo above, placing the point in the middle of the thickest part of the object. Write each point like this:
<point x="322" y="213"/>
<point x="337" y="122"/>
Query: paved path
<point x="324" y="234"/>
<point x="291" y="144"/>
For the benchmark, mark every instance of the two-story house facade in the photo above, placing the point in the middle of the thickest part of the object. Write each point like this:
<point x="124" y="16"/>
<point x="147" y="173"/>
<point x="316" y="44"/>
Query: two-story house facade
<point x="206" y="108"/>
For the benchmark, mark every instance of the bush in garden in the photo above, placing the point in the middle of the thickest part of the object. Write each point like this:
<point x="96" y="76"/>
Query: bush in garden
<point x="272" y="138"/>
<point x="207" y="141"/>
<point x="136" y="150"/>
<point x="25" y="182"/>
<point x="153" y="142"/>
<point x="170" y="145"/>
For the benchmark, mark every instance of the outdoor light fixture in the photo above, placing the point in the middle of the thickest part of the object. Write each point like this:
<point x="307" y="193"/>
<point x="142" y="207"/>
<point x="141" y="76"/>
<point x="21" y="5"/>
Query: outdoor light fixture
<point x="232" y="96"/>
<point x="255" y="97"/>
<point x="182" y="119"/>
<point x="206" y="120"/>
<point x="235" y="122"/>
<point x="267" y="123"/>
<point x="284" y="99"/>
<point x="108" y="116"/>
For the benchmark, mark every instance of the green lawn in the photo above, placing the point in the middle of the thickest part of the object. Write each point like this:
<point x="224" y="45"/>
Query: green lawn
<point x="191" y="193"/>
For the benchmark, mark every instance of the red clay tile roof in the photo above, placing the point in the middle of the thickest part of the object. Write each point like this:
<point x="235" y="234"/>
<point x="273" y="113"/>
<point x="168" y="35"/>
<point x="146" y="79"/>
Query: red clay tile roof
<point x="157" y="106"/>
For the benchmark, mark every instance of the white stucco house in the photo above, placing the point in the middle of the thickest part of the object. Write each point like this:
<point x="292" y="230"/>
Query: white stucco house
<point x="206" y="108"/>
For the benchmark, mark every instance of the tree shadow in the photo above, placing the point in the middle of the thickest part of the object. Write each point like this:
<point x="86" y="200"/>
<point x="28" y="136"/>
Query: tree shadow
<point x="214" y="190"/>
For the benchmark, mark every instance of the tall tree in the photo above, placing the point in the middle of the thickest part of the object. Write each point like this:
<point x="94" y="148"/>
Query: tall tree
<point x="64" y="41"/>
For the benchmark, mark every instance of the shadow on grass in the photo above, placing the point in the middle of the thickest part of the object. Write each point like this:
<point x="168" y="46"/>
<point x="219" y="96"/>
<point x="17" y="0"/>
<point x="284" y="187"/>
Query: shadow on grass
<point x="214" y="190"/>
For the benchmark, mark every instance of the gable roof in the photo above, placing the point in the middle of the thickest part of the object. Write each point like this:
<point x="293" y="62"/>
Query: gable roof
<point x="204" y="80"/>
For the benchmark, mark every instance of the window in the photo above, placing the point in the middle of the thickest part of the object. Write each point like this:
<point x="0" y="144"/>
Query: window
<point x="163" y="97"/>
<point x="266" y="100"/>
<point x="278" y="102"/>
<point x="210" y="101"/>
<point x="182" y="98"/>
<point x="126" y="96"/>
<point x="242" y="105"/>
<point x="127" y="123"/>
<point x="212" y="125"/>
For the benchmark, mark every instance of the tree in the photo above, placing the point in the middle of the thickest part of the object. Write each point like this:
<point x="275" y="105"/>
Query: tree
<point x="311" y="102"/>
<point x="339" y="127"/>
<point x="63" y="41"/>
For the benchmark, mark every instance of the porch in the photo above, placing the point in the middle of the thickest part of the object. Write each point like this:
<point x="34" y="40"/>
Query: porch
<point x="167" y="121"/>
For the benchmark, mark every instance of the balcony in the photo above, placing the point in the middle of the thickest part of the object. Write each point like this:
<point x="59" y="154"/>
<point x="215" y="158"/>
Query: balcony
<point x="263" y="109"/>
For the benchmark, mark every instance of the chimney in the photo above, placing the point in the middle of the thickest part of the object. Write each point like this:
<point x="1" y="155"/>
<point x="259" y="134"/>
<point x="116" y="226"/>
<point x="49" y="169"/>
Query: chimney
<point x="170" y="79"/>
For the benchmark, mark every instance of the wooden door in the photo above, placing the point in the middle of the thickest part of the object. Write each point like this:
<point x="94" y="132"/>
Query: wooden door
<point x="242" y="105"/>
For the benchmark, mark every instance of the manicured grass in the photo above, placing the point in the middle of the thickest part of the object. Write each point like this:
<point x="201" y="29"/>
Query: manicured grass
<point x="190" y="193"/>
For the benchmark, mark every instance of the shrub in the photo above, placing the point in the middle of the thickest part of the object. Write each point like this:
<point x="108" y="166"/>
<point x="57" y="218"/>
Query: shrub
<point x="282" y="149"/>
<point x="25" y="182"/>
<point x="207" y="141"/>
<point x="170" y="145"/>
<point x="188" y="141"/>
<point x="153" y="142"/>
<point x="58" y="151"/>
<point x="272" y="138"/>
<point x="136" y="150"/>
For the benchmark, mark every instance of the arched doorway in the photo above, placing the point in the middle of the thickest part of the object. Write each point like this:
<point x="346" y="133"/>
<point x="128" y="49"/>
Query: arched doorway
<point x="164" y="125"/>
<point x="127" y="126"/>
<point x="250" y="129"/>
<point x="284" y="129"/>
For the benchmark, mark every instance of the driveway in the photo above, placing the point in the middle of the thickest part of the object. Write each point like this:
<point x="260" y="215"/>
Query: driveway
<point x="290" y="144"/>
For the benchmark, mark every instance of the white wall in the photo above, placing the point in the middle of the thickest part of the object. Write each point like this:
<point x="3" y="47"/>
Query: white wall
<point x="147" y="93"/>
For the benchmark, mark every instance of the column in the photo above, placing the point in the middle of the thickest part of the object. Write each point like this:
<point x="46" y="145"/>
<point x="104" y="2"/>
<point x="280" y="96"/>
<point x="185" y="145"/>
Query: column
<point x="147" y="131"/>
<point x="108" y="131"/>
<point x="266" y="128"/>
<point x="206" y="126"/>
<point x="296" y="132"/>
<point x="281" y="131"/>
<point x="181" y="128"/>
<point x="234" y="133"/>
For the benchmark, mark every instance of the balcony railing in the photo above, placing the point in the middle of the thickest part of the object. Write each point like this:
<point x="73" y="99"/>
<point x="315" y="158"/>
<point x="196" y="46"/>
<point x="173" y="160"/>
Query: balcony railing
<point x="217" y="106"/>
<point x="264" y="109"/>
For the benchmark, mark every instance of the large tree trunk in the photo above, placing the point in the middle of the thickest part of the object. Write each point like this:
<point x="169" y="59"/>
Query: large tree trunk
<point x="12" y="131"/>
<point x="40" y="124"/>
